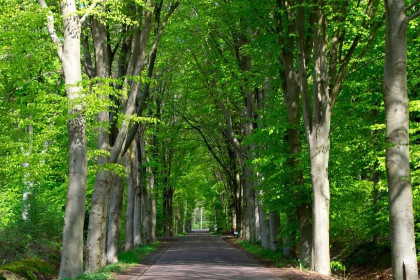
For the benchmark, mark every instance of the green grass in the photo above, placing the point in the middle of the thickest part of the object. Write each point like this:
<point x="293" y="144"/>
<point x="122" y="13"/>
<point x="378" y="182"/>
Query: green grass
<point x="274" y="256"/>
<point x="126" y="259"/>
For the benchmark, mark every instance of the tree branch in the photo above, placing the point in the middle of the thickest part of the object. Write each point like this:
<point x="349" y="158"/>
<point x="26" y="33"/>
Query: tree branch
<point x="413" y="16"/>
<point x="89" y="10"/>
<point x="51" y="29"/>
<point x="160" y="30"/>
<point x="210" y="148"/>
<point x="411" y="5"/>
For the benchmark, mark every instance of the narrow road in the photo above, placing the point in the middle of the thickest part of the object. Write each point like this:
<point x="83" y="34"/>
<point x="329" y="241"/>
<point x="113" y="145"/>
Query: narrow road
<point x="200" y="255"/>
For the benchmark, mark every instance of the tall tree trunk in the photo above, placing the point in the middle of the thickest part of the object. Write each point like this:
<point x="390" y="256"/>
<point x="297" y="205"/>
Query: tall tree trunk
<point x="114" y="219"/>
<point x="290" y="86"/>
<point x="249" y="193"/>
<point x="69" y="52"/>
<point x="404" y="261"/>
<point x="265" y="227"/>
<point x="184" y="218"/>
<point x="138" y="240"/>
<point x="130" y="170"/>
<point x="304" y="215"/>
<point x="248" y="230"/>
<point x="144" y="201"/>
<point x="28" y="184"/>
<point x="257" y="219"/>
<point x="95" y="244"/>
<point x="152" y="196"/>
<point x="319" y="153"/>
<point x="178" y="228"/>
<point x="274" y="222"/>
<point x="145" y="215"/>
<point x="289" y="247"/>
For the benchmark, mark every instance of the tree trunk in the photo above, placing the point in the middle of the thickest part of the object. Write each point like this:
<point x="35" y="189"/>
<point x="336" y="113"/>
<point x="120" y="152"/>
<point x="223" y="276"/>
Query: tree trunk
<point x="257" y="219"/>
<point x="265" y="228"/>
<point x="95" y="244"/>
<point x="274" y="222"/>
<point x="114" y="219"/>
<point x="289" y="247"/>
<point x="152" y="203"/>
<point x="178" y="228"/>
<point x="184" y="218"/>
<point x="304" y="214"/>
<point x="138" y="240"/>
<point x="130" y="170"/>
<point x="319" y="153"/>
<point x="248" y="230"/>
<point x="137" y="233"/>
<point x="404" y="261"/>
<point x="72" y="252"/>
<point x="145" y="215"/>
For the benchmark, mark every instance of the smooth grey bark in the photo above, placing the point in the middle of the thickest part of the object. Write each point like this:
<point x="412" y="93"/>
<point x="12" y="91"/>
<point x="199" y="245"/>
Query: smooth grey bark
<point x="95" y="243"/>
<point x="304" y="215"/>
<point x="264" y="226"/>
<point x="71" y="265"/>
<point x="114" y="219"/>
<point x="145" y="205"/>
<point x="152" y="211"/>
<point x="290" y="85"/>
<point x="274" y="230"/>
<point x="327" y="83"/>
<point x="404" y="263"/>
<point x="151" y="174"/>
<point x="28" y="184"/>
<point x="137" y="229"/>
<point x="130" y="171"/>
<point x="319" y="148"/>
<point x="289" y="247"/>
<point x="145" y="215"/>
<point x="184" y="218"/>
<point x="317" y="130"/>
<point x="257" y="220"/>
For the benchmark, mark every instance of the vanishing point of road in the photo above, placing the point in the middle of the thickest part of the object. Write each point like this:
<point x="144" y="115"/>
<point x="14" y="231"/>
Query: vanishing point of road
<point x="200" y="255"/>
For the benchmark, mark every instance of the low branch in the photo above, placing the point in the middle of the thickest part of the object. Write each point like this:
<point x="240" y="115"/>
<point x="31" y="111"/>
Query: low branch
<point x="413" y="16"/>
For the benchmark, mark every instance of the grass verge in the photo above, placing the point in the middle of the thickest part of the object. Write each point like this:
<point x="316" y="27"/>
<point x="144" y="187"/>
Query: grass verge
<point x="274" y="256"/>
<point x="126" y="259"/>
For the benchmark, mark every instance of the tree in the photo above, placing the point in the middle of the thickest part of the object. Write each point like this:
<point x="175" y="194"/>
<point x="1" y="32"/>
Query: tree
<point x="404" y="262"/>
<point x="69" y="53"/>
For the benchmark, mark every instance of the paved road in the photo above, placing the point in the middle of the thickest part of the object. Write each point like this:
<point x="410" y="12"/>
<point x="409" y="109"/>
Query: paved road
<point x="200" y="255"/>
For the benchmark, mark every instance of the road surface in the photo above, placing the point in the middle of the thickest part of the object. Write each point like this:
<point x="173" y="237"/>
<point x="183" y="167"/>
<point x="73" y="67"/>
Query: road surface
<point x="200" y="255"/>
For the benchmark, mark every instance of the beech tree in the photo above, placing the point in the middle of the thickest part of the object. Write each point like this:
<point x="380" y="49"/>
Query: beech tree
<point x="69" y="54"/>
<point x="404" y="262"/>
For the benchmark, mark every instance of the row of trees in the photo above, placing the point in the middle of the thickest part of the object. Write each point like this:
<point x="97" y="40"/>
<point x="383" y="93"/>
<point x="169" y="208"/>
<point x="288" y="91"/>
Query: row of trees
<point x="234" y="114"/>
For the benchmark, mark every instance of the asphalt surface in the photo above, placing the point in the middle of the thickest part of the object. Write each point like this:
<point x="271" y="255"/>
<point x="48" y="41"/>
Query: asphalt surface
<point x="200" y="255"/>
